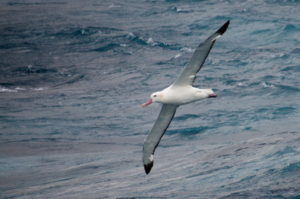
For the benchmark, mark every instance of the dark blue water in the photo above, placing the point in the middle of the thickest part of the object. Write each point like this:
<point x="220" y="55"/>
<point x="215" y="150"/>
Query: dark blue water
<point x="73" y="73"/>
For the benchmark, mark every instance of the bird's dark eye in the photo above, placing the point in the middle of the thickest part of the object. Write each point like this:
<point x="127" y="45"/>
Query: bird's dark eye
<point x="154" y="95"/>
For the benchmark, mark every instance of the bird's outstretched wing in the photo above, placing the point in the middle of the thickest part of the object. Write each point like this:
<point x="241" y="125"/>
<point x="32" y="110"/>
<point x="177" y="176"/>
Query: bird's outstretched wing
<point x="189" y="72"/>
<point x="162" y="123"/>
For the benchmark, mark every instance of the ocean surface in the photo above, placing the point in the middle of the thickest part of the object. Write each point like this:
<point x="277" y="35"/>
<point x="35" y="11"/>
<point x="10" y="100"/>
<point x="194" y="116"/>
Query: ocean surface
<point x="74" y="73"/>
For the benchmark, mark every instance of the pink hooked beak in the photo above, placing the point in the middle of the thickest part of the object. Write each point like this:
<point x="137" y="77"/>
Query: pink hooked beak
<point x="212" y="95"/>
<point x="147" y="103"/>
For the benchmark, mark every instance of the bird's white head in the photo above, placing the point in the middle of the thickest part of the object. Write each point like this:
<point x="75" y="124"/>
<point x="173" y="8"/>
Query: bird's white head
<point x="207" y="93"/>
<point x="155" y="97"/>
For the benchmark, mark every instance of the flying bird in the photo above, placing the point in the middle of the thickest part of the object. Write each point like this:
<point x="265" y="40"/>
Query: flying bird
<point x="179" y="93"/>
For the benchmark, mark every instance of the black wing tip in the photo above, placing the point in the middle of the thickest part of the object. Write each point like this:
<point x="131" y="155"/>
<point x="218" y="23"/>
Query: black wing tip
<point x="148" y="167"/>
<point x="223" y="28"/>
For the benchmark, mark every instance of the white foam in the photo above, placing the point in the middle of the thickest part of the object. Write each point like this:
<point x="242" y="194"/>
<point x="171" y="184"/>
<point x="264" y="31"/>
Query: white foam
<point x="267" y="85"/>
<point x="7" y="90"/>
<point x="131" y="35"/>
<point x="11" y="90"/>
<point x="17" y="89"/>
<point x="178" y="55"/>
<point x="150" y="41"/>
<point x="113" y="6"/>
<point x="38" y="89"/>
<point x="189" y="50"/>
<point x="20" y="89"/>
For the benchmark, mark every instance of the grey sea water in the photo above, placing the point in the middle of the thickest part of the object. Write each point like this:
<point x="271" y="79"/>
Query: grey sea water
<point x="73" y="73"/>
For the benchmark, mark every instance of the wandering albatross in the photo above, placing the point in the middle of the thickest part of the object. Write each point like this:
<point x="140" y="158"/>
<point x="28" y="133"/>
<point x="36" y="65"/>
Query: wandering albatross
<point x="179" y="93"/>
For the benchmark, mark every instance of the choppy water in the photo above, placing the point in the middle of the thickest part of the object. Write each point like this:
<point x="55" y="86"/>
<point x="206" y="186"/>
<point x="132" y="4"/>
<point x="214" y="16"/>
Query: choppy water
<point x="73" y="73"/>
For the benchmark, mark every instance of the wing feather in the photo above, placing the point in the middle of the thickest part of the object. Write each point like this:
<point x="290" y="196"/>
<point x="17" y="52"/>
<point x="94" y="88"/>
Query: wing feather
<point x="188" y="74"/>
<point x="162" y="123"/>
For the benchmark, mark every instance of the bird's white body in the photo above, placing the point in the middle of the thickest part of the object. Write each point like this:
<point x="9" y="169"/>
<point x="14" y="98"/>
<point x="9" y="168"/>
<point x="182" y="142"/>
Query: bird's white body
<point x="179" y="95"/>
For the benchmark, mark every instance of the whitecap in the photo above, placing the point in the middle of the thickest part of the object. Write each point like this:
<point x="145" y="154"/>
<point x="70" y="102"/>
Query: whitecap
<point x="82" y="31"/>
<point x="113" y="6"/>
<point x="178" y="55"/>
<point x="180" y="10"/>
<point x="38" y="89"/>
<point x="20" y="89"/>
<point x="7" y="90"/>
<point x="150" y="41"/>
<point x="189" y="50"/>
<point x="130" y="35"/>
<point x="267" y="85"/>
<point x="280" y="55"/>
